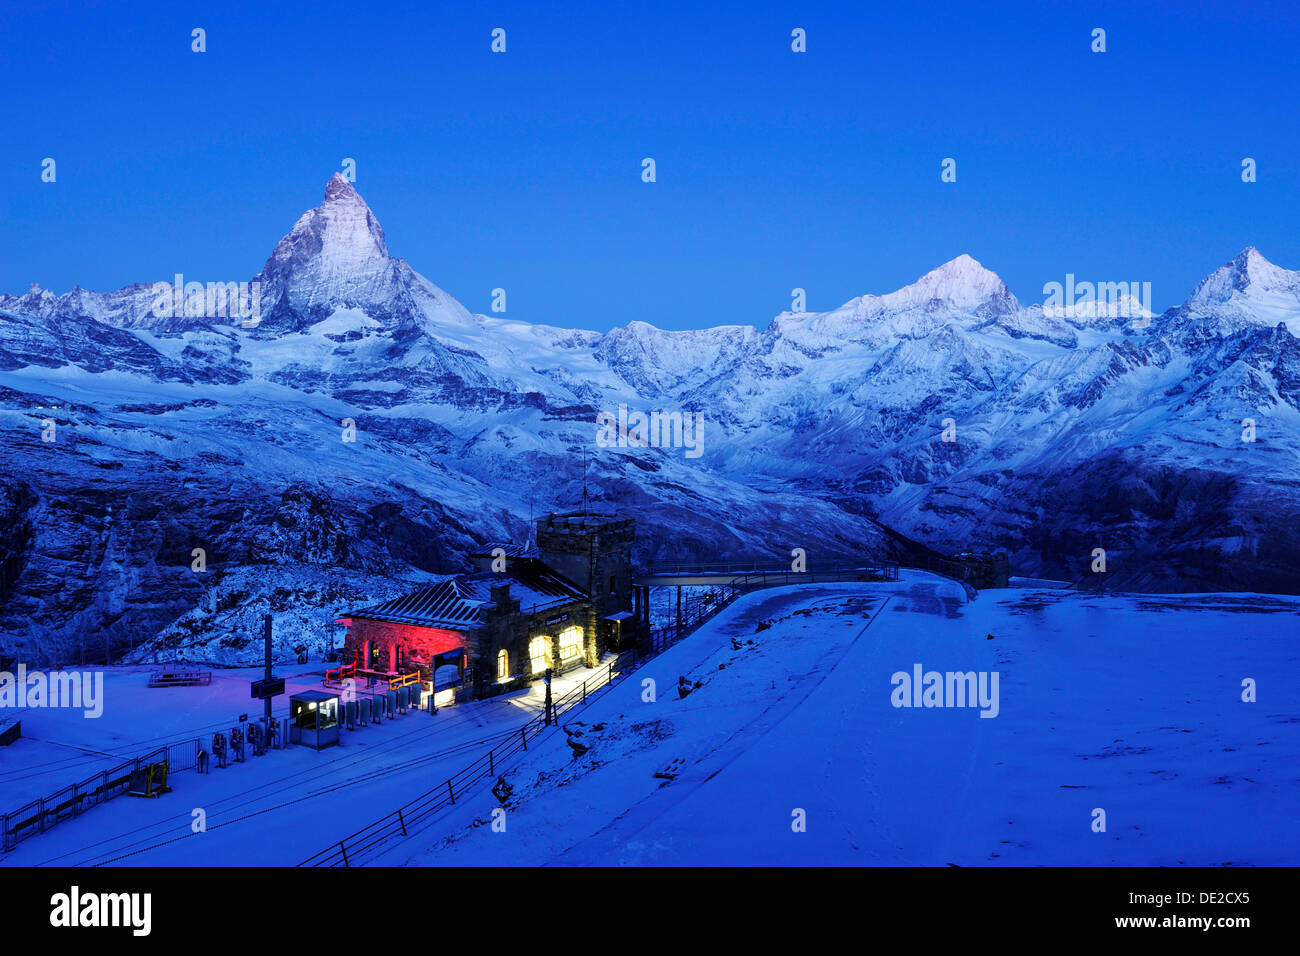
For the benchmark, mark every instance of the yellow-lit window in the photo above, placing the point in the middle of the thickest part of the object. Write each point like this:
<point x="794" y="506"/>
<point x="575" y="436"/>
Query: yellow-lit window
<point x="570" y="644"/>
<point x="503" y="665"/>
<point x="539" y="652"/>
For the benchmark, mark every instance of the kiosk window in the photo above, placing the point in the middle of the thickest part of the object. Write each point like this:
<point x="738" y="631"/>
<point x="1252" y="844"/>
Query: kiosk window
<point x="329" y="714"/>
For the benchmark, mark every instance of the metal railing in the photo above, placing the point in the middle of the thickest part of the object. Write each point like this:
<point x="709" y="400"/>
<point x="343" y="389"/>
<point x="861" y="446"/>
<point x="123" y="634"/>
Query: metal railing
<point x="339" y="673"/>
<point x="39" y="815"/>
<point x="183" y="756"/>
<point x="773" y="563"/>
<point x="658" y="639"/>
<point x="361" y="845"/>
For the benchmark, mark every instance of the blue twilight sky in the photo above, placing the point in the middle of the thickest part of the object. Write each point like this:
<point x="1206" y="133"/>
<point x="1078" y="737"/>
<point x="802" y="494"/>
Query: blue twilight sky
<point x="819" y="170"/>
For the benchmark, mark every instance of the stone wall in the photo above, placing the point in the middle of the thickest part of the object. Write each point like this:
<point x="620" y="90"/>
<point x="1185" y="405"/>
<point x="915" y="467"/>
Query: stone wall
<point x="590" y="550"/>
<point x="505" y="626"/>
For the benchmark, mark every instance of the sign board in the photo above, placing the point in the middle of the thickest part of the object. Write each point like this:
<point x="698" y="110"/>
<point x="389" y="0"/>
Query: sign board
<point x="271" y="687"/>
<point x="558" y="619"/>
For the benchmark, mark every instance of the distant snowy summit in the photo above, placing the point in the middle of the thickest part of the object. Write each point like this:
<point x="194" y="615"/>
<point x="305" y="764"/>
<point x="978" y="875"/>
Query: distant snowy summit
<point x="336" y="257"/>
<point x="945" y="414"/>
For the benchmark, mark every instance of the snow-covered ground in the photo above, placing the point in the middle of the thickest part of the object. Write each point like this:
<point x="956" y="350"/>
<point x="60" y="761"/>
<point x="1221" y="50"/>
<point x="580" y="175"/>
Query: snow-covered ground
<point x="277" y="809"/>
<point x="1125" y="703"/>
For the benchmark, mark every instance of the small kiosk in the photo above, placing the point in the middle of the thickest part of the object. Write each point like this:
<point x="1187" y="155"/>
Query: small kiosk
<point x="314" y="718"/>
<point x="618" y="631"/>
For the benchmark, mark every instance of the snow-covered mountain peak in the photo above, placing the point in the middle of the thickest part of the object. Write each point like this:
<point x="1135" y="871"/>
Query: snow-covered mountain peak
<point x="36" y="301"/>
<point x="960" y="282"/>
<point x="335" y="256"/>
<point x="959" y="285"/>
<point x="339" y="188"/>
<point x="1248" y="291"/>
<point x="341" y="230"/>
<point x="961" y="292"/>
<point x="961" y="278"/>
<point x="1250" y="274"/>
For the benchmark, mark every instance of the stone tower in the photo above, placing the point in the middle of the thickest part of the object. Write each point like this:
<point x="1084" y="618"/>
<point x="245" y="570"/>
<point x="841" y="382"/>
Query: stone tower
<point x="594" y="551"/>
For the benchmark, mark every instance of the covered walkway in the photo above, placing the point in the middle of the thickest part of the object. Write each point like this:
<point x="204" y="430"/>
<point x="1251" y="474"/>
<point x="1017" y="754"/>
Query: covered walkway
<point x="734" y="582"/>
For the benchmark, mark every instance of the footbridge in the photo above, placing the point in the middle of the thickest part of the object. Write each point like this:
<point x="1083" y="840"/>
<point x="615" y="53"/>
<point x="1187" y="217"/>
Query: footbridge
<point x="726" y="582"/>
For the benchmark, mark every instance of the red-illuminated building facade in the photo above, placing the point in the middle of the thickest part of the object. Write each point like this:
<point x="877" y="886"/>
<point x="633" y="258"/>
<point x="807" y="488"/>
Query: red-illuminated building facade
<point x="557" y="605"/>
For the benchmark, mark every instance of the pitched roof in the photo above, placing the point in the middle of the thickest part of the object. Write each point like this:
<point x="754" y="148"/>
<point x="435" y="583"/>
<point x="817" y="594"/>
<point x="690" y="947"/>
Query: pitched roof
<point x="511" y="549"/>
<point x="446" y="604"/>
<point x="458" y="603"/>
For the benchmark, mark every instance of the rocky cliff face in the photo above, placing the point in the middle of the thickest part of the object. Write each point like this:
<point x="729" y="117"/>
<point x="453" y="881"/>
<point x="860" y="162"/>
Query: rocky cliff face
<point x="370" y="430"/>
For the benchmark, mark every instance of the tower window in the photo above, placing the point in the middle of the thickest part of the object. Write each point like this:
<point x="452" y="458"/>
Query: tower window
<point x="613" y="584"/>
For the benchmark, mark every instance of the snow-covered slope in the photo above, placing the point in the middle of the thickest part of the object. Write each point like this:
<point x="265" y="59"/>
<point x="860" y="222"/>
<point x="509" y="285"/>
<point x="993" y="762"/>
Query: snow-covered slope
<point x="821" y="430"/>
<point x="789" y="750"/>
<point x="1131" y="704"/>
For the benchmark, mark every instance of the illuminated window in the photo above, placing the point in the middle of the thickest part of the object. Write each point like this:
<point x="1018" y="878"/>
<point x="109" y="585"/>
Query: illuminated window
<point x="539" y="652"/>
<point x="570" y="644"/>
<point x="328" y="715"/>
<point x="503" y="665"/>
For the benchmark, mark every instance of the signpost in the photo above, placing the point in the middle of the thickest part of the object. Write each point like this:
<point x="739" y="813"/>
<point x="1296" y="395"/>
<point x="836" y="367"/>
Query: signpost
<point x="268" y="686"/>
<point x="266" y="689"/>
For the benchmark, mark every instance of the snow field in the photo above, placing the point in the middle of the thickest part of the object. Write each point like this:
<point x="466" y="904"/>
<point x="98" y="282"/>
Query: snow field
<point x="1124" y="703"/>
